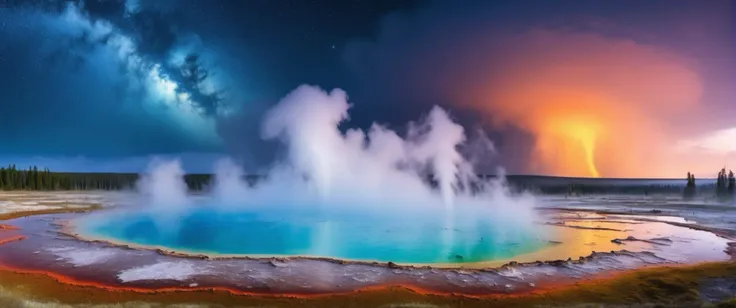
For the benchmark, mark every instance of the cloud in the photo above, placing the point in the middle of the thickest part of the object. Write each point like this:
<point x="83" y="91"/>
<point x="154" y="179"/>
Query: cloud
<point x="721" y="142"/>
<point x="598" y="98"/>
<point x="595" y="105"/>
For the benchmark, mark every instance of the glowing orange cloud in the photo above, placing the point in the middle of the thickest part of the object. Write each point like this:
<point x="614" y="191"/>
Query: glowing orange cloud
<point x="593" y="104"/>
<point x="597" y="106"/>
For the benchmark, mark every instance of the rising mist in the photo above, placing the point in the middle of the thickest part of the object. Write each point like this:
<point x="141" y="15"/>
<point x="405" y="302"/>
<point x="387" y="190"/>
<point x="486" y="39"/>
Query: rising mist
<point x="374" y="174"/>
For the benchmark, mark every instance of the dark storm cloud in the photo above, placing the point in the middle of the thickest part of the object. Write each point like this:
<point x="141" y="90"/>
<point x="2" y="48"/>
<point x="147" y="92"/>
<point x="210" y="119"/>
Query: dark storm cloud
<point x="639" y="75"/>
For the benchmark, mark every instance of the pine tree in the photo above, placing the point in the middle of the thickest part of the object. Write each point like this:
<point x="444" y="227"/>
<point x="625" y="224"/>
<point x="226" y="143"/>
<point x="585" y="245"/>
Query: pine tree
<point x="690" y="187"/>
<point x="7" y="178"/>
<point x="14" y="177"/>
<point x="47" y="182"/>
<point x="34" y="178"/>
<point x="724" y="186"/>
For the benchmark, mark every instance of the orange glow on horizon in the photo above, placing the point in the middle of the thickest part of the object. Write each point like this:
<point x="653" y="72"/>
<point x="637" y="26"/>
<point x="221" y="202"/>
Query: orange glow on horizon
<point x="567" y="144"/>
<point x="595" y="106"/>
<point x="584" y="134"/>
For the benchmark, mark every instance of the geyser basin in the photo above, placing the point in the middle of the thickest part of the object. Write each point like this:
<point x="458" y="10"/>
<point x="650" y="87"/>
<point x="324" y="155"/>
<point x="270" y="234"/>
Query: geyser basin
<point x="420" y="238"/>
<point x="622" y="242"/>
<point x="354" y="195"/>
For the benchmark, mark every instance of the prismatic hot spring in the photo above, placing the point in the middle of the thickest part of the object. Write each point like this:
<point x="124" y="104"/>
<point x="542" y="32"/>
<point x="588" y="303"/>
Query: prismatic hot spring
<point x="355" y="196"/>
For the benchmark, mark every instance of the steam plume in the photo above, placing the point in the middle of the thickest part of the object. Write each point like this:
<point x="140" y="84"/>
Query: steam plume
<point x="332" y="177"/>
<point x="373" y="170"/>
<point x="164" y="184"/>
<point x="380" y="161"/>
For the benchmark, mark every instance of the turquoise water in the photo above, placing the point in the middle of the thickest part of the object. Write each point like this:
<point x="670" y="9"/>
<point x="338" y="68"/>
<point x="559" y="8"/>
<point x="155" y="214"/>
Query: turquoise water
<point x="414" y="238"/>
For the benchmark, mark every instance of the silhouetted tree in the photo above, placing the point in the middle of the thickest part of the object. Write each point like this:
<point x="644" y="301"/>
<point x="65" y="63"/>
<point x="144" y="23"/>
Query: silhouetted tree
<point x="725" y="185"/>
<point x="690" y="188"/>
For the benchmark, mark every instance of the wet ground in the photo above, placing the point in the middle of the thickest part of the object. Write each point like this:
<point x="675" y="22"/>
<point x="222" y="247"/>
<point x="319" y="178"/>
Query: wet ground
<point x="589" y="236"/>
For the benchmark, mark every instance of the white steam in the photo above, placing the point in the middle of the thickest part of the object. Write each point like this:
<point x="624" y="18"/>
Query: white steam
<point x="356" y="164"/>
<point x="229" y="185"/>
<point x="439" y="140"/>
<point x="164" y="184"/>
<point x="370" y="175"/>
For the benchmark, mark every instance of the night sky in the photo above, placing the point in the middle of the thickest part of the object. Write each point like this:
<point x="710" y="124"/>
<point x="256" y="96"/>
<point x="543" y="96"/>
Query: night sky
<point x="581" y="88"/>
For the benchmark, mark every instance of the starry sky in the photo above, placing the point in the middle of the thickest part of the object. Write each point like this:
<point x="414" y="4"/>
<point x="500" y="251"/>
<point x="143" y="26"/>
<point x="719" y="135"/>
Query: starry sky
<point x="573" y="88"/>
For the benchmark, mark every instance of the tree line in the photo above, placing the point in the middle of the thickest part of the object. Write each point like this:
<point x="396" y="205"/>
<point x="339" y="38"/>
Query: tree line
<point x="725" y="187"/>
<point x="33" y="178"/>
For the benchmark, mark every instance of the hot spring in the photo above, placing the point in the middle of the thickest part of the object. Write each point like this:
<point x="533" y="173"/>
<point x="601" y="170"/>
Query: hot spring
<point x="349" y="195"/>
<point x="420" y="239"/>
